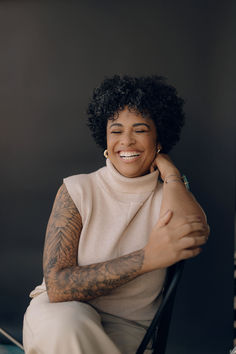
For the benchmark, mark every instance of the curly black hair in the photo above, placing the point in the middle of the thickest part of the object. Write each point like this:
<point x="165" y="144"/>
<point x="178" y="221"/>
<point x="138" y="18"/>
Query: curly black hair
<point x="149" y="96"/>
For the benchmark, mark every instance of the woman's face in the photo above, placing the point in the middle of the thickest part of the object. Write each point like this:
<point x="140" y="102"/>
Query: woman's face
<point x="131" y="143"/>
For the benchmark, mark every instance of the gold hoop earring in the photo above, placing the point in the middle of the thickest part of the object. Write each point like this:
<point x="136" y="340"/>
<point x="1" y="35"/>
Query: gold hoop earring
<point x="105" y="153"/>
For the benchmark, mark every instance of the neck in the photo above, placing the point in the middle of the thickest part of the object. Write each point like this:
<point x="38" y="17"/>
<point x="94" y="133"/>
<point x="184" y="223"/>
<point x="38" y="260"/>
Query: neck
<point x="136" y="185"/>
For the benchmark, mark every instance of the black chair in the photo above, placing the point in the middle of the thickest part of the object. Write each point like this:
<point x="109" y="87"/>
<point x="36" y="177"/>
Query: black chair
<point x="158" y="330"/>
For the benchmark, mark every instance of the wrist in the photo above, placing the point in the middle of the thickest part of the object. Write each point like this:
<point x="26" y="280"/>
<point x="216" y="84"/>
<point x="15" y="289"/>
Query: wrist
<point x="172" y="174"/>
<point x="147" y="264"/>
<point x="177" y="178"/>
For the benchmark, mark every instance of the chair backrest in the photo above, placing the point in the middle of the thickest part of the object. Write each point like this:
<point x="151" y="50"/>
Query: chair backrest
<point x="159" y="327"/>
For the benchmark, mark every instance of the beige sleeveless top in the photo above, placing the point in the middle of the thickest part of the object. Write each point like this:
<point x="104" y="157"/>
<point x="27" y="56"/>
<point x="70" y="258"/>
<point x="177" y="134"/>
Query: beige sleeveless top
<point x="118" y="214"/>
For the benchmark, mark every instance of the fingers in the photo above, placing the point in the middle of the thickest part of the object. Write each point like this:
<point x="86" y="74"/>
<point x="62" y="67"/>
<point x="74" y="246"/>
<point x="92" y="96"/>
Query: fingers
<point x="208" y="230"/>
<point x="205" y="233"/>
<point x="188" y="219"/>
<point x="189" y="246"/>
<point x="163" y="157"/>
<point x="164" y="164"/>
<point x="153" y="167"/>
<point x="192" y="242"/>
<point x="193" y="229"/>
<point x="165" y="218"/>
<point x="161" y="160"/>
<point x="190" y="253"/>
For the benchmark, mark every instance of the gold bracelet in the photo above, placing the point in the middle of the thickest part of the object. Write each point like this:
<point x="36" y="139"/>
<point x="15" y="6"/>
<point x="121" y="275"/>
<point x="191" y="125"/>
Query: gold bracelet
<point x="180" y="178"/>
<point x="174" y="180"/>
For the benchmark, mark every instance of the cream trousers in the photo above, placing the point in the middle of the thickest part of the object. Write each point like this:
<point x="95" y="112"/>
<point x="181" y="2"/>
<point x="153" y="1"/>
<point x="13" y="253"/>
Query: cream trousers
<point x="77" y="328"/>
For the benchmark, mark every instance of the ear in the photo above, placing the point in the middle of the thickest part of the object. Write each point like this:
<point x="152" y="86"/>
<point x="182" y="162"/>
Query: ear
<point x="159" y="147"/>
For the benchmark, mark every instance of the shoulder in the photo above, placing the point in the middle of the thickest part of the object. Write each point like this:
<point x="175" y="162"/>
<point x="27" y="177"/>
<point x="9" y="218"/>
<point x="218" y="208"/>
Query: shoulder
<point x="83" y="177"/>
<point x="83" y="181"/>
<point x="63" y="199"/>
<point x="81" y="188"/>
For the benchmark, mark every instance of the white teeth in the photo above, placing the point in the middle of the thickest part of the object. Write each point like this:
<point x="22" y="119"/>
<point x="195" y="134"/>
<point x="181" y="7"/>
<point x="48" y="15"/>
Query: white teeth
<point x="129" y="154"/>
<point x="129" y="157"/>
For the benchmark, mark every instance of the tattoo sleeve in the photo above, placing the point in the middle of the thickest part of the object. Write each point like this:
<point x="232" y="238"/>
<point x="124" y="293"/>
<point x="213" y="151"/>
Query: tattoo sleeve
<point x="65" y="280"/>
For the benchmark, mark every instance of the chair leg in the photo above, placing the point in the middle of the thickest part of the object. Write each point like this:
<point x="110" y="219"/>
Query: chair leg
<point x="160" y="341"/>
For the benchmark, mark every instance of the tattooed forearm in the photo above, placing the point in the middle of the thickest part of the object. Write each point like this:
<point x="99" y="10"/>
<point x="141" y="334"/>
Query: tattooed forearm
<point x="87" y="282"/>
<point x="67" y="281"/>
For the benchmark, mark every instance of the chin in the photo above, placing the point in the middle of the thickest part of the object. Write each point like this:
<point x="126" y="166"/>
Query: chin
<point x="131" y="169"/>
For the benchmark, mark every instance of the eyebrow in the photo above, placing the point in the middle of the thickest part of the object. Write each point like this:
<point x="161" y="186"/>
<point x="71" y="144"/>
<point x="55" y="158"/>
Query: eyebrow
<point x="134" y="125"/>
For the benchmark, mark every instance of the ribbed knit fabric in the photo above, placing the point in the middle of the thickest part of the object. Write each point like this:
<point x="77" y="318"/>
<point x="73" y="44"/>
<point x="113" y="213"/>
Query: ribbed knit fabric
<point x="118" y="214"/>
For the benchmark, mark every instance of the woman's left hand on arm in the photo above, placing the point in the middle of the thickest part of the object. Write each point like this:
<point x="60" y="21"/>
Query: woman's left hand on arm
<point x="175" y="195"/>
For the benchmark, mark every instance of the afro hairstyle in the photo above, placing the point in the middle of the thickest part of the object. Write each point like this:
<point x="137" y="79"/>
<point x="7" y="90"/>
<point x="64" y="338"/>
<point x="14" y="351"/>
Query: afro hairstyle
<point x="149" y="96"/>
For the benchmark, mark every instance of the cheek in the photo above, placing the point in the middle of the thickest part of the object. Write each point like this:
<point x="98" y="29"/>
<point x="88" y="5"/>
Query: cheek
<point x="152" y="149"/>
<point x="151" y="144"/>
<point x="111" y="141"/>
<point x="108" y="138"/>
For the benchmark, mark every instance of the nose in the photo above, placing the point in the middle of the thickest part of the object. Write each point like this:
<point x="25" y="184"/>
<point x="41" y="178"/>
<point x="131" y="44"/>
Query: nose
<point x="127" y="139"/>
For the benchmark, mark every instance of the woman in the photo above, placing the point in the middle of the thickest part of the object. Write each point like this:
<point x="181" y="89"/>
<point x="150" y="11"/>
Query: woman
<point x="112" y="233"/>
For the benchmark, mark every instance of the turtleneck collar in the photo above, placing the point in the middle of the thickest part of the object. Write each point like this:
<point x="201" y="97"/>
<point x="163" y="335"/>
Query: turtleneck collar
<point x="129" y="185"/>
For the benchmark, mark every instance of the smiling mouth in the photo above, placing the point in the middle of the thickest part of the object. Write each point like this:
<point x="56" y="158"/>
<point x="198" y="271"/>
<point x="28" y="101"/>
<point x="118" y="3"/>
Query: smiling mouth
<point x="129" y="155"/>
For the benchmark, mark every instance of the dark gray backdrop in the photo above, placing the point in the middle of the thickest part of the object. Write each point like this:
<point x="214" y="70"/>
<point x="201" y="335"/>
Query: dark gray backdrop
<point x="52" y="55"/>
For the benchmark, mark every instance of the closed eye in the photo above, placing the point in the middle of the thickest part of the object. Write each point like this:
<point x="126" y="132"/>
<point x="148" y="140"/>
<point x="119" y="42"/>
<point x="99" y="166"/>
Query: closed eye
<point x="141" y="131"/>
<point x="116" y="132"/>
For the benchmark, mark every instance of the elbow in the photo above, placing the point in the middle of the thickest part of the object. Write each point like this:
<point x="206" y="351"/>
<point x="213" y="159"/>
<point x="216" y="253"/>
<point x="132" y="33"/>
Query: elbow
<point x="54" y="294"/>
<point x="199" y="212"/>
<point x="58" y="290"/>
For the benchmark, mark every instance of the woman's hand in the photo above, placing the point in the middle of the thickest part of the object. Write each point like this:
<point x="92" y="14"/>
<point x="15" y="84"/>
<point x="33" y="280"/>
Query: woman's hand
<point x="179" y="233"/>
<point x="169" y="243"/>
<point x="163" y="163"/>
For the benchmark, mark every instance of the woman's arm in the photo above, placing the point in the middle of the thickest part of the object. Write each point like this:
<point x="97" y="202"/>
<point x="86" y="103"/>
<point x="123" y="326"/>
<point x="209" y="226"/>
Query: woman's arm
<point x="65" y="280"/>
<point x="183" y="234"/>
<point x="175" y="195"/>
